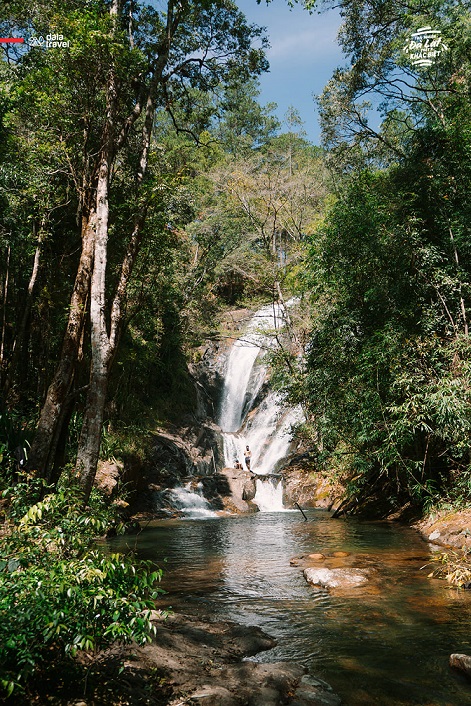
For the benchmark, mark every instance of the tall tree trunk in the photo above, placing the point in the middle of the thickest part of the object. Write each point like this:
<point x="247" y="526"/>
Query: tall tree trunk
<point x="48" y="430"/>
<point x="90" y="435"/>
<point x="49" y="427"/>
<point x="104" y="344"/>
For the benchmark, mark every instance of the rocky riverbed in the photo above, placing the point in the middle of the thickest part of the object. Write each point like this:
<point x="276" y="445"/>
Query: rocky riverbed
<point x="204" y="664"/>
<point x="195" y="662"/>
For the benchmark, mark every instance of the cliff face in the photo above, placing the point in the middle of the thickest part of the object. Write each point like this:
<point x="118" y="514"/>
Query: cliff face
<point x="194" y="454"/>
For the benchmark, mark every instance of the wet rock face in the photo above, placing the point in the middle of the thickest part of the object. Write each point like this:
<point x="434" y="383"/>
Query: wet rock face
<point x="191" y="450"/>
<point x="208" y="374"/>
<point x="185" y="453"/>
<point x="171" y="453"/>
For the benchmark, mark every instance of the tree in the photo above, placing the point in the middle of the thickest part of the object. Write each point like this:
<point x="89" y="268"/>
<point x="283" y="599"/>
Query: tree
<point x="157" y="59"/>
<point x="242" y="123"/>
<point x="380" y="73"/>
<point x="278" y="191"/>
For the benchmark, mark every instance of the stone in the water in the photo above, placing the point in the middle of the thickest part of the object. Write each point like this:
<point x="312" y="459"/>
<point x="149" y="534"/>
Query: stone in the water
<point x="336" y="578"/>
<point x="341" y="554"/>
<point x="461" y="662"/>
<point x="317" y="556"/>
<point x="295" y="561"/>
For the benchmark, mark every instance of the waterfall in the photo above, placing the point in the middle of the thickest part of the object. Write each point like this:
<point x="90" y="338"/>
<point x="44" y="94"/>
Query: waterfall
<point x="242" y="358"/>
<point x="269" y="495"/>
<point x="190" y="503"/>
<point x="266" y="429"/>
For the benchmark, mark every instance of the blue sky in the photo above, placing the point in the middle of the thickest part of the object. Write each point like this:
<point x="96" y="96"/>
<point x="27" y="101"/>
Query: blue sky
<point x="303" y="56"/>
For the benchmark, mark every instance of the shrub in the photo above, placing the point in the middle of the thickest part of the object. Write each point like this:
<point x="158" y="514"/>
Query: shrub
<point x="59" y="593"/>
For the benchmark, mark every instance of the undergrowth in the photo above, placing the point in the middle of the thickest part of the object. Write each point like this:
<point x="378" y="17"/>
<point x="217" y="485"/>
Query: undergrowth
<point x="59" y="594"/>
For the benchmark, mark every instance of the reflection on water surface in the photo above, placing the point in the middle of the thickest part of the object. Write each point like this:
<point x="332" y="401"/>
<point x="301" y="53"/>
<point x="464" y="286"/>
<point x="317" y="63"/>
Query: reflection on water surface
<point x="388" y="643"/>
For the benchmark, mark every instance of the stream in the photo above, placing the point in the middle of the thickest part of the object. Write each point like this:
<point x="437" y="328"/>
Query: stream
<point x="383" y="644"/>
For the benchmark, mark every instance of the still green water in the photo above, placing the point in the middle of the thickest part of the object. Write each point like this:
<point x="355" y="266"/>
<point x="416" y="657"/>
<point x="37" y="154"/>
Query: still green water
<point x="388" y="643"/>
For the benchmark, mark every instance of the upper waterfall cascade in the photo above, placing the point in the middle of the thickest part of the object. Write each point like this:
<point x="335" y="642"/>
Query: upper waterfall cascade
<point x="266" y="428"/>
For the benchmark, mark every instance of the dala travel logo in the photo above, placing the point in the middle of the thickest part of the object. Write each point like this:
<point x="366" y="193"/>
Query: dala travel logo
<point x="425" y="46"/>
<point x="52" y="41"/>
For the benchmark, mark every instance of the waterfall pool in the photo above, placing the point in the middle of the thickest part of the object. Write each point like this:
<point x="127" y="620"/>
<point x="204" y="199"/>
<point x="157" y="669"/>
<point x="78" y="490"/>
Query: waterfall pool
<point x="388" y="643"/>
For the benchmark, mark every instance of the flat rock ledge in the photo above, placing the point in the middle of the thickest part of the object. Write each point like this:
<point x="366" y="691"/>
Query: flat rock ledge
<point x="205" y="665"/>
<point x="196" y="662"/>
<point x="447" y="529"/>
<point x="336" y="578"/>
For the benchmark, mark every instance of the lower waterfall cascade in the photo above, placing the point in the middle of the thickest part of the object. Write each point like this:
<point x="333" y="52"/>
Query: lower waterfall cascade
<point x="265" y="428"/>
<point x="190" y="502"/>
<point x="269" y="494"/>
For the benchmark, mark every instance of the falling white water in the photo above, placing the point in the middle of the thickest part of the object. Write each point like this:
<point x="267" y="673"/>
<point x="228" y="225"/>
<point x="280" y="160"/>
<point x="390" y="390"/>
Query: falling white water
<point x="190" y="503"/>
<point x="269" y="495"/>
<point x="267" y="433"/>
<point x="242" y="358"/>
<point x="265" y="429"/>
<point x="278" y="442"/>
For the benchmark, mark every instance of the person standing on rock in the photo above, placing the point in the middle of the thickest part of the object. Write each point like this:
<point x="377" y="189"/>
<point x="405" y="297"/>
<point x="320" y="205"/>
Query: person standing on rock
<point x="247" y="457"/>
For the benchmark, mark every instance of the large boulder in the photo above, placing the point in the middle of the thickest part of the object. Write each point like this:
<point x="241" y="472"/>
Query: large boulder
<point x="108" y="475"/>
<point x="447" y="529"/>
<point x="306" y="487"/>
<point x="241" y="490"/>
<point x="336" y="578"/>
<point x="249" y="489"/>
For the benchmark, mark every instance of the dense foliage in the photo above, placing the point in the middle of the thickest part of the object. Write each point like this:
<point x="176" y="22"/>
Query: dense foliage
<point x="227" y="211"/>
<point x="59" y="593"/>
<point x="95" y="188"/>
<point x="387" y="376"/>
